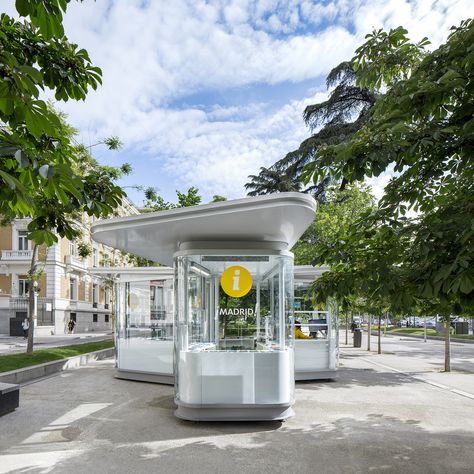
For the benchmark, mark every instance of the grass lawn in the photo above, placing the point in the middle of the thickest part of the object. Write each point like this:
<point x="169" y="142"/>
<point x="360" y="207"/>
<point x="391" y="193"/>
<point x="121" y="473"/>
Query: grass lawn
<point x="18" y="361"/>
<point x="415" y="331"/>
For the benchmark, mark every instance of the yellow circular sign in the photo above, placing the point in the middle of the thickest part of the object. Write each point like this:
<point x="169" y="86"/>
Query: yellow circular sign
<point x="236" y="281"/>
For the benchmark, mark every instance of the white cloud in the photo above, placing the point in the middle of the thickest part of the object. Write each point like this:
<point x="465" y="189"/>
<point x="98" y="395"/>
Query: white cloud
<point x="155" y="53"/>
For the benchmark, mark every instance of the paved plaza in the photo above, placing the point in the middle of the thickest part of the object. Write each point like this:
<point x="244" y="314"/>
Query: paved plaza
<point x="389" y="413"/>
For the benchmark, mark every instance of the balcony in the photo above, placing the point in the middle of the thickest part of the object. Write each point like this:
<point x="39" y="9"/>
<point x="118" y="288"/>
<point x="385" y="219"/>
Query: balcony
<point x="75" y="263"/>
<point x="16" y="255"/>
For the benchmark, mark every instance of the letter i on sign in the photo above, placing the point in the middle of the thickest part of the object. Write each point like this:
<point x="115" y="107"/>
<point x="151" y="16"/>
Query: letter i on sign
<point x="236" y="279"/>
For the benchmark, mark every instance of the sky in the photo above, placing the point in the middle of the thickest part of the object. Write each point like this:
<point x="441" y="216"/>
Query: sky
<point x="204" y="93"/>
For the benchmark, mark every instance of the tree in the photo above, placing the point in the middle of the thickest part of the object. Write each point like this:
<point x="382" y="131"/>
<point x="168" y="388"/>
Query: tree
<point x="155" y="202"/>
<point x="35" y="55"/>
<point x="44" y="174"/>
<point x="60" y="218"/>
<point x="324" y="240"/>
<point x="218" y="198"/>
<point x="422" y="126"/>
<point x="333" y="121"/>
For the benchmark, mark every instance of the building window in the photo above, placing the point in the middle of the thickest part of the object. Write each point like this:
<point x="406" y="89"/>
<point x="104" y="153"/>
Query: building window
<point x="95" y="258"/>
<point x="94" y="318"/>
<point x="107" y="298"/>
<point x="73" y="289"/>
<point x="72" y="248"/>
<point x="106" y="318"/>
<point x="23" y="242"/>
<point x="95" y="295"/>
<point x="23" y="286"/>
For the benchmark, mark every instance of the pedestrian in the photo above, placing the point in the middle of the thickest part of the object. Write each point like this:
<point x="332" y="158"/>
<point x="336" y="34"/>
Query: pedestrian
<point x="70" y="325"/>
<point x="25" y="325"/>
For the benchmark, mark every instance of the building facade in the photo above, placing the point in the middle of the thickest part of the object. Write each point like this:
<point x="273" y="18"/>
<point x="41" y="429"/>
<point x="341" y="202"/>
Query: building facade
<point x="67" y="287"/>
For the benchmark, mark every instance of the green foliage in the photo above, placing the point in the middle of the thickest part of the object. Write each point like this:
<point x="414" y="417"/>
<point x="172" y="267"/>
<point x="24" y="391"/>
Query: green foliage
<point x="345" y="111"/>
<point x="44" y="174"/>
<point x="422" y="126"/>
<point x="190" y="198"/>
<point x="386" y="58"/>
<point x="218" y="198"/>
<point x="113" y="143"/>
<point x="334" y="220"/>
<point x="84" y="250"/>
<point x="46" y="15"/>
<point x="154" y="202"/>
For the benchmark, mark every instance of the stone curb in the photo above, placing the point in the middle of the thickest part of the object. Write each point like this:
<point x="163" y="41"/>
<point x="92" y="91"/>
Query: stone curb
<point x="433" y="338"/>
<point x="27" y="374"/>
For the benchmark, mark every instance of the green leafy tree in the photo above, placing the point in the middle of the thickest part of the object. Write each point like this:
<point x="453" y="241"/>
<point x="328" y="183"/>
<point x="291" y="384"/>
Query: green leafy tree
<point x="422" y="126"/>
<point x="155" y="202"/>
<point x="34" y="56"/>
<point x="44" y="174"/>
<point x="324" y="242"/>
<point x="218" y="198"/>
<point x="331" y="122"/>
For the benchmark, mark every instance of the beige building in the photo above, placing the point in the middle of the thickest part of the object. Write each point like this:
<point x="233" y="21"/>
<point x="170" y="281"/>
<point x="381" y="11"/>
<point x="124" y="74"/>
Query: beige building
<point x="67" y="287"/>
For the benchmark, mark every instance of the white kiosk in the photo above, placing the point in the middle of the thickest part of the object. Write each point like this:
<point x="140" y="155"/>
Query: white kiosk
<point x="144" y="321"/>
<point x="233" y="337"/>
<point x="316" y="357"/>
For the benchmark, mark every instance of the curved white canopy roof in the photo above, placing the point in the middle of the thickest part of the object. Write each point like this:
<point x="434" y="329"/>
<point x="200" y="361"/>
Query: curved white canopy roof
<point x="157" y="236"/>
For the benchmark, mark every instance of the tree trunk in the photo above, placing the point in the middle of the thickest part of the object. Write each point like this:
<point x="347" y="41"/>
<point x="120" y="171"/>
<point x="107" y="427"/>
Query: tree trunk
<point x="369" y="329"/>
<point x="32" y="299"/>
<point x="347" y="324"/>
<point x="379" y="342"/>
<point x="447" y="348"/>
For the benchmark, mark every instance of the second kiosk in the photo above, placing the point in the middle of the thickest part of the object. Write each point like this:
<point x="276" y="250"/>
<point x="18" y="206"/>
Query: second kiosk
<point x="233" y="342"/>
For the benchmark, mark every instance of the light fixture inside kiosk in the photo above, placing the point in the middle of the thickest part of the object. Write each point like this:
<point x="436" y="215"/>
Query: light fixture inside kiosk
<point x="233" y="344"/>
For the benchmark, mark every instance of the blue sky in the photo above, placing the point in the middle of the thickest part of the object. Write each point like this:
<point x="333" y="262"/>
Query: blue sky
<point x="204" y="93"/>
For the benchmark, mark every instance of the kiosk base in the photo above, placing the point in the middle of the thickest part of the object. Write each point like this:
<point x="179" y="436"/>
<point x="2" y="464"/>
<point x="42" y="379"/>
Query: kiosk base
<point x="315" y="375"/>
<point x="165" y="379"/>
<point x="233" y="412"/>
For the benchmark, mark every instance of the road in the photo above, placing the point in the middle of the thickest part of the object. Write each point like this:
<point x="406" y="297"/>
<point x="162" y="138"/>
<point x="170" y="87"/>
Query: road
<point x="378" y="416"/>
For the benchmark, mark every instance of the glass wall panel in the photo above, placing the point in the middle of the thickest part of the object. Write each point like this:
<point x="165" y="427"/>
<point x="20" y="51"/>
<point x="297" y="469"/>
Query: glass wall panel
<point x="213" y="318"/>
<point x="145" y="326"/>
<point x="231" y="311"/>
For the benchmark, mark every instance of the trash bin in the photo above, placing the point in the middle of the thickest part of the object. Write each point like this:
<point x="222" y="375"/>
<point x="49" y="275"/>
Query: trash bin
<point x="461" y="327"/>
<point x="357" y="337"/>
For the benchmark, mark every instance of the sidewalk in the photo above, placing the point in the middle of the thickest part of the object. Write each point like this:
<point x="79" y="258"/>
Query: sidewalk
<point x="370" y="419"/>
<point x="12" y="344"/>
<point x="423" y="361"/>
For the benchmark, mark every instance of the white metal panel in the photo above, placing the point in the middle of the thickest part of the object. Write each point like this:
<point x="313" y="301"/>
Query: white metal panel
<point x="279" y="218"/>
<point x="145" y="355"/>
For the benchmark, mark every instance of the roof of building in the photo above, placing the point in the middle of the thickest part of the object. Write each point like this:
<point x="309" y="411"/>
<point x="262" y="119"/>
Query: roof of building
<point x="281" y="217"/>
